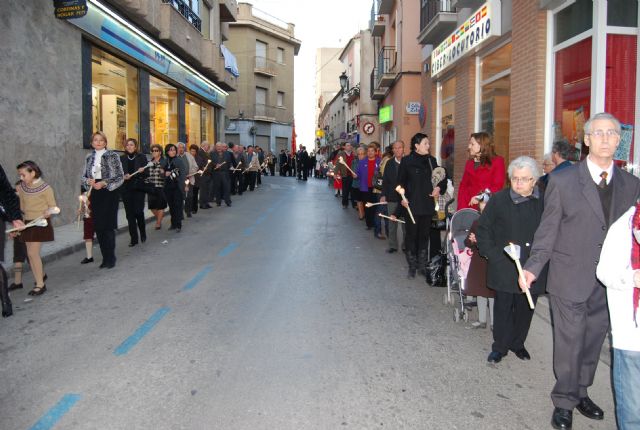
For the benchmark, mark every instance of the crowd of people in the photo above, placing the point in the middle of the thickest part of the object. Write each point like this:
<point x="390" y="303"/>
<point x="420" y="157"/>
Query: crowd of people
<point x="577" y="227"/>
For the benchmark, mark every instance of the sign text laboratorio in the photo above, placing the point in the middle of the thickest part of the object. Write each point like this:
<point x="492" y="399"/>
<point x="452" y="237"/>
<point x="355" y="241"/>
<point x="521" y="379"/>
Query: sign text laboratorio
<point x="478" y="28"/>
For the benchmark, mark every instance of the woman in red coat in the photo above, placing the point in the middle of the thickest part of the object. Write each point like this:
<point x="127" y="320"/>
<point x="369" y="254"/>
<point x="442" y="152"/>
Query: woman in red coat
<point x="483" y="170"/>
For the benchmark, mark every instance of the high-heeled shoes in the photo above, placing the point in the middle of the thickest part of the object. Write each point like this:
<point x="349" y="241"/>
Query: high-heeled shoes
<point x="38" y="291"/>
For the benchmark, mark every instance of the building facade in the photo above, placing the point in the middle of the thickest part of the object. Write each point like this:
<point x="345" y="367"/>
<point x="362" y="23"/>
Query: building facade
<point x="529" y="72"/>
<point x="328" y="69"/>
<point x="151" y="70"/>
<point x="261" y="111"/>
<point x="395" y="80"/>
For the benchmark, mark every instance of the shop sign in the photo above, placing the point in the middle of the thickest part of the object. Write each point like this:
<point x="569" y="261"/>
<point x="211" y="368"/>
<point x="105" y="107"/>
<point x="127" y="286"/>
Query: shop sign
<point x="319" y="133"/>
<point x="110" y="28"/>
<point x="413" y="108"/>
<point x="385" y="114"/>
<point x="481" y="26"/>
<point x="69" y="9"/>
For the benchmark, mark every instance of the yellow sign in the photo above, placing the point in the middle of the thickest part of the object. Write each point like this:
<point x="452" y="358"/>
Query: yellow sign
<point x="319" y="133"/>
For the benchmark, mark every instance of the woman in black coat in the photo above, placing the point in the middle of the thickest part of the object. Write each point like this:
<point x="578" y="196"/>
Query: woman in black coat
<point x="9" y="211"/>
<point x="511" y="216"/>
<point x="175" y="171"/>
<point x="414" y="175"/>
<point x="133" y="190"/>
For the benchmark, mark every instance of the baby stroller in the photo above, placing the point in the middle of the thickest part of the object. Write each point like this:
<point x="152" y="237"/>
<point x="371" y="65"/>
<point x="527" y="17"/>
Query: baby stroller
<point x="459" y="257"/>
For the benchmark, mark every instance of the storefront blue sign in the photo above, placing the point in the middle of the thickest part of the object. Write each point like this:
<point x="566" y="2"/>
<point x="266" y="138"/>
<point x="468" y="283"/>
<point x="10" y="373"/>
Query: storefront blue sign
<point x="99" y="23"/>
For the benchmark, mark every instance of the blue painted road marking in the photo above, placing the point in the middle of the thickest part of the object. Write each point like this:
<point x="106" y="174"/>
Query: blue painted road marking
<point x="51" y="418"/>
<point x="260" y="219"/>
<point x="145" y="328"/>
<point x="196" y="279"/>
<point x="248" y="231"/>
<point x="228" y="249"/>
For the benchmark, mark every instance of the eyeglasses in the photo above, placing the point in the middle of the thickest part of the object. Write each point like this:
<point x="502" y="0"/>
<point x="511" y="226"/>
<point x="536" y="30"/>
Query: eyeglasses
<point x="599" y="134"/>
<point x="155" y="150"/>
<point x="521" y="180"/>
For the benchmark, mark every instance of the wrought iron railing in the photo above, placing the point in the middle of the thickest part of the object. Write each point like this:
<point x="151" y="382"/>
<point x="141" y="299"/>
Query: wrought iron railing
<point x="387" y="62"/>
<point x="430" y="8"/>
<point x="187" y="12"/>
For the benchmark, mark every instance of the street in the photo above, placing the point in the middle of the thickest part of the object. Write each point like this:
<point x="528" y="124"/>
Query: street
<point x="281" y="312"/>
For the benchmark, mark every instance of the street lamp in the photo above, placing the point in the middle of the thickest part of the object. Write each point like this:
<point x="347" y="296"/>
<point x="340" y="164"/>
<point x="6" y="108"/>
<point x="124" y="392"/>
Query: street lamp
<point x="344" y="81"/>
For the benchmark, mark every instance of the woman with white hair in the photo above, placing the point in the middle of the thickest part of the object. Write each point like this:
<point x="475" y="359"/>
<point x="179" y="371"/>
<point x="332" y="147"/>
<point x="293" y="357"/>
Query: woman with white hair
<point x="511" y="216"/>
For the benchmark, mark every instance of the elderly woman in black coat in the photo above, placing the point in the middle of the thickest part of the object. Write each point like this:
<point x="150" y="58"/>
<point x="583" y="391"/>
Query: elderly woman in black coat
<point x="511" y="216"/>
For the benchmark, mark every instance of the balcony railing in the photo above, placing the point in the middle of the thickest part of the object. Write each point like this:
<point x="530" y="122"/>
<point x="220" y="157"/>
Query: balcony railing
<point x="431" y="8"/>
<point x="265" y="111"/>
<point x="187" y="12"/>
<point x="387" y="62"/>
<point x="265" y="66"/>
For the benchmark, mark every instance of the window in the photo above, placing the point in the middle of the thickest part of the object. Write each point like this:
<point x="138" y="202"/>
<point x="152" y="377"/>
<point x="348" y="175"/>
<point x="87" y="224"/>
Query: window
<point x="114" y="98"/>
<point x="261" y="101"/>
<point x="280" y="55"/>
<point x="280" y="101"/>
<point x="496" y="98"/>
<point x="572" y="93"/>
<point x="207" y="120"/>
<point x="622" y="13"/>
<point x="192" y="119"/>
<point x="261" y="49"/>
<point x="573" y="20"/>
<point x="448" y="100"/>
<point x="163" y="112"/>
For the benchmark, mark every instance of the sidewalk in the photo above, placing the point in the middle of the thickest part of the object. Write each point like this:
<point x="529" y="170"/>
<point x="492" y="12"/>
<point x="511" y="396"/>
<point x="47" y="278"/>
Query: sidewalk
<point x="68" y="240"/>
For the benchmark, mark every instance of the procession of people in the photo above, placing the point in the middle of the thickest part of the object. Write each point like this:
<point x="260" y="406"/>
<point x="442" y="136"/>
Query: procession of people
<point x="577" y="229"/>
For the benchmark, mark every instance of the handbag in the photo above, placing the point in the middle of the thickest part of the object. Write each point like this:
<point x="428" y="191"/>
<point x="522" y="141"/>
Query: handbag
<point x="377" y="179"/>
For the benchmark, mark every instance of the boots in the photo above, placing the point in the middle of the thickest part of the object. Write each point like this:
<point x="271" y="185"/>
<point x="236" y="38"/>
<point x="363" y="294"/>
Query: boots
<point x="7" y="309"/>
<point x="413" y="264"/>
<point x="423" y="261"/>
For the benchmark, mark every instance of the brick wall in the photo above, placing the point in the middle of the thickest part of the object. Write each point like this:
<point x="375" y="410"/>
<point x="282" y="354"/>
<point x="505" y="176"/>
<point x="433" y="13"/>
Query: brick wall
<point x="464" y="112"/>
<point x="528" y="80"/>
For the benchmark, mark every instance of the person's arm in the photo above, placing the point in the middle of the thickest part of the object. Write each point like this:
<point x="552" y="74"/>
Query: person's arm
<point x="50" y="199"/>
<point x="614" y="269"/>
<point x="8" y="198"/>
<point x="115" y="170"/>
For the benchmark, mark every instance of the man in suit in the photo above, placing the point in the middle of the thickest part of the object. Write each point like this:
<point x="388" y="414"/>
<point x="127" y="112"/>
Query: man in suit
<point x="389" y="193"/>
<point x="304" y="162"/>
<point x="284" y="163"/>
<point x="239" y="164"/>
<point x="205" y="178"/>
<point x="222" y="161"/>
<point x="581" y="202"/>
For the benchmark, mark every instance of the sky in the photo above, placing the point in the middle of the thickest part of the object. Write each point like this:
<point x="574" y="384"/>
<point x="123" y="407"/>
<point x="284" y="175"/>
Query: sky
<point x="319" y="24"/>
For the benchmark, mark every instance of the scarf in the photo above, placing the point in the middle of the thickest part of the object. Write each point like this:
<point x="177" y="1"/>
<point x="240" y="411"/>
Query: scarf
<point x="635" y="258"/>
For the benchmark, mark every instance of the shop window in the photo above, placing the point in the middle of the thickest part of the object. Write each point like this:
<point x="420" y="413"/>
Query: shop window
<point x="496" y="98"/>
<point x="448" y="124"/>
<point x="573" y="94"/>
<point x="114" y="98"/>
<point x="207" y="115"/>
<point x="620" y="83"/>
<point x="192" y="119"/>
<point x="622" y="13"/>
<point x="163" y="112"/>
<point x="573" y="20"/>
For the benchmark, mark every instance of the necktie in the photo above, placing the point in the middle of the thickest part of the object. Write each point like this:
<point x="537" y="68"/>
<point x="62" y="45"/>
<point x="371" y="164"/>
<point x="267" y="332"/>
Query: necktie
<point x="603" y="181"/>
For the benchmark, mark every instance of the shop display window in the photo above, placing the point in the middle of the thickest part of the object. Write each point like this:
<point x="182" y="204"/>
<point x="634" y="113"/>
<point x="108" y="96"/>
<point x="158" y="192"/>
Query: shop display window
<point x="193" y="120"/>
<point x="163" y="112"/>
<point x="114" y="98"/>
<point x="207" y="115"/>
<point x="573" y="94"/>
<point x="619" y="88"/>
<point x="573" y="20"/>
<point x="495" y="104"/>
<point x="622" y="13"/>
<point x="447" y="123"/>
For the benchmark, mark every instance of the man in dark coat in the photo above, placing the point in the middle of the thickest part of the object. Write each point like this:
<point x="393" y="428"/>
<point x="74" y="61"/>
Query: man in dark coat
<point x="284" y="163"/>
<point x="9" y="211"/>
<point x="222" y="161"/>
<point x="581" y="202"/>
<point x="304" y="161"/>
<point x="390" y="195"/>
<point x="511" y="216"/>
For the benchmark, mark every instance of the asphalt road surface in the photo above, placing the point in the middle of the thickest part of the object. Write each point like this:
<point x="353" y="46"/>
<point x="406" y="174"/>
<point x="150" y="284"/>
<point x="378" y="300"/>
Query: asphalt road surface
<point x="280" y="312"/>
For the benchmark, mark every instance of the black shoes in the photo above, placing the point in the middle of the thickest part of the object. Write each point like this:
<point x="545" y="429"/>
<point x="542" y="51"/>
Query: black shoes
<point x="561" y="418"/>
<point x="107" y="265"/>
<point x="229" y="204"/>
<point x="171" y="228"/>
<point x="218" y="204"/>
<point x="15" y="287"/>
<point x="589" y="409"/>
<point x="391" y="250"/>
<point x="495" y="357"/>
<point x="207" y="206"/>
<point x="522" y="354"/>
<point x="132" y="244"/>
<point x="86" y="260"/>
<point x="38" y="291"/>
<point x="143" y="238"/>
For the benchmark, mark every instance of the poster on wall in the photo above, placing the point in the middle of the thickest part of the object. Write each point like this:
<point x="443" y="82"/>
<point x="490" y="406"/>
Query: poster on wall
<point x="623" y="153"/>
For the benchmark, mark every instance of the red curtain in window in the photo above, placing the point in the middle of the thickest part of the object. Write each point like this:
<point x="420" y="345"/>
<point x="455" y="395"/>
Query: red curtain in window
<point x="573" y="90"/>
<point x="620" y="92"/>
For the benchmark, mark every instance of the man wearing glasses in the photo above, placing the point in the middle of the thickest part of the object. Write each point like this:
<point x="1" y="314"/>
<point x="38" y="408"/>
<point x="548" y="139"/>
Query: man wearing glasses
<point x="581" y="202"/>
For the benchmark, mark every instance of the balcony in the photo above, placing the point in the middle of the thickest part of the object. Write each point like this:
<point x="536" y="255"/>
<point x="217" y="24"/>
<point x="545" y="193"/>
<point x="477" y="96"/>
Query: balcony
<point x="385" y="7"/>
<point x="228" y="10"/>
<point x="264" y="66"/>
<point x="178" y="32"/>
<point x="264" y="112"/>
<point x="386" y="66"/>
<point x="213" y="63"/>
<point x="475" y="4"/>
<point x="376" y="93"/>
<point x="379" y="25"/>
<point x="186" y="12"/>
<point x="438" y="18"/>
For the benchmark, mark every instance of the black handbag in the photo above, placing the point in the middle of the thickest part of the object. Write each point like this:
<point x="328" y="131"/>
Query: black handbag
<point x="377" y="180"/>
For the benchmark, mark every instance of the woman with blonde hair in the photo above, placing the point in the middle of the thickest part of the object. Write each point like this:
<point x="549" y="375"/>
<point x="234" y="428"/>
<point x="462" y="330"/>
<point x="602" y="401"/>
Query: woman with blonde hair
<point x="483" y="170"/>
<point x="103" y="174"/>
<point x="36" y="199"/>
